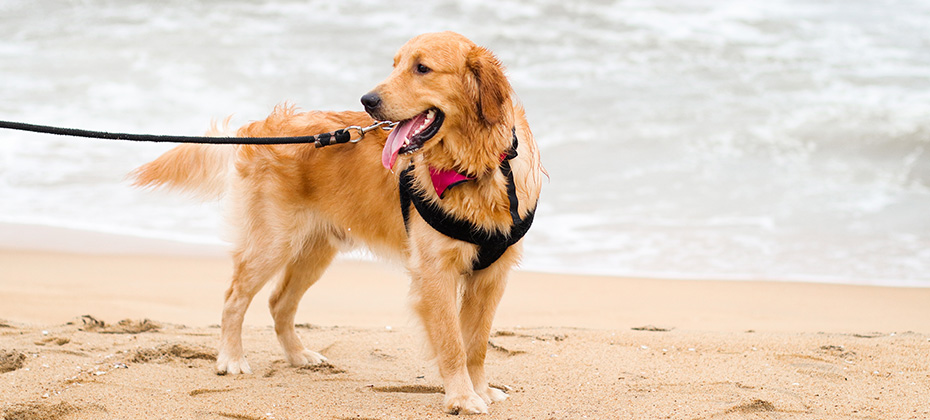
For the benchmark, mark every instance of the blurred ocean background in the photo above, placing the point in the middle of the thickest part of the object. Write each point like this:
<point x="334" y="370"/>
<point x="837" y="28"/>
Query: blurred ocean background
<point x="700" y="139"/>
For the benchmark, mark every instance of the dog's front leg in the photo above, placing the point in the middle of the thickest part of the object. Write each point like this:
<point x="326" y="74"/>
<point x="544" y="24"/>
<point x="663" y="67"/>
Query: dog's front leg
<point x="482" y="292"/>
<point x="434" y="292"/>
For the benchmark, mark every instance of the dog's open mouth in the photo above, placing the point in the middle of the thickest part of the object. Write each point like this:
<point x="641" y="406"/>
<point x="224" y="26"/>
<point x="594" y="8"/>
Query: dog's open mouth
<point x="410" y="135"/>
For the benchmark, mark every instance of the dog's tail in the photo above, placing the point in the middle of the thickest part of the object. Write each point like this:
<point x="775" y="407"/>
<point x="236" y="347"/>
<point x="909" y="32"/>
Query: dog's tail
<point x="198" y="169"/>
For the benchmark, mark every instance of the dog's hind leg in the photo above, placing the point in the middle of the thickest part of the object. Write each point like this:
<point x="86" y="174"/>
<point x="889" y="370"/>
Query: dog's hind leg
<point x="481" y="295"/>
<point x="253" y="267"/>
<point x="301" y="273"/>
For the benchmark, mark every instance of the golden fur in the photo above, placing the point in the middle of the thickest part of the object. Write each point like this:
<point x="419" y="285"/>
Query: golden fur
<point x="294" y="206"/>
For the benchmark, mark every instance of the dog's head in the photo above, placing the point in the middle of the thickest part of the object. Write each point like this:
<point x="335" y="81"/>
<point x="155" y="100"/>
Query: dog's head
<point x="444" y="91"/>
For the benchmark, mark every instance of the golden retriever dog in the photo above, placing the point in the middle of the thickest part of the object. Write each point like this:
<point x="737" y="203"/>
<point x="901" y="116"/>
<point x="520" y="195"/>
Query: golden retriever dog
<point x="293" y="207"/>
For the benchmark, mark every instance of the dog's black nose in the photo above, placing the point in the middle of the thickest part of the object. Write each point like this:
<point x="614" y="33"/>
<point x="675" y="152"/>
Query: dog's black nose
<point x="371" y="101"/>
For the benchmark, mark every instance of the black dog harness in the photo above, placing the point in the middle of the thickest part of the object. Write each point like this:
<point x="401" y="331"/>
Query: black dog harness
<point x="491" y="245"/>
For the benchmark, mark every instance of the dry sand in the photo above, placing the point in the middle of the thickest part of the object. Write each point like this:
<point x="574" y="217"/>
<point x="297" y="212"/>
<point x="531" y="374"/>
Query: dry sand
<point x="565" y="347"/>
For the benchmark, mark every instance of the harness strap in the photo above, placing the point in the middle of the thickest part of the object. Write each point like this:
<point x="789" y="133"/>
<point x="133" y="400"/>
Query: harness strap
<point x="491" y="245"/>
<point x="511" y="192"/>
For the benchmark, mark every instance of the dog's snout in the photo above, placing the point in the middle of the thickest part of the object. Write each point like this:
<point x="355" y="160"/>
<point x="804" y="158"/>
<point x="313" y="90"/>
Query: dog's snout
<point x="371" y="101"/>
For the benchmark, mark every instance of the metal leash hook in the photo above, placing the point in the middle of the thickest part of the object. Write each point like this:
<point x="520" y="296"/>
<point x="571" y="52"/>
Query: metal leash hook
<point x="384" y="125"/>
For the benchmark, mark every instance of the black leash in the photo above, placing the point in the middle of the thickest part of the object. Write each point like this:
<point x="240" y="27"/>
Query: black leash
<point x="340" y="136"/>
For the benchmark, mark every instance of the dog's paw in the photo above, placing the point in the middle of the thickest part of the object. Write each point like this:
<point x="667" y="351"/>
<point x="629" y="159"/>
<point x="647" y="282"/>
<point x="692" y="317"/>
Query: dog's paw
<point x="232" y="366"/>
<point x="492" y="395"/>
<point x="465" y="404"/>
<point x="305" y="358"/>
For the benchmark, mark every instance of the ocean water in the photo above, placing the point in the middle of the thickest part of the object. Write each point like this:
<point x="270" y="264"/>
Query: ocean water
<point x="704" y="139"/>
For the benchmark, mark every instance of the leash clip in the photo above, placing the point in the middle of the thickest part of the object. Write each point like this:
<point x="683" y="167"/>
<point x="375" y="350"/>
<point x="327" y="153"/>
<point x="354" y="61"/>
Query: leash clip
<point x="384" y="125"/>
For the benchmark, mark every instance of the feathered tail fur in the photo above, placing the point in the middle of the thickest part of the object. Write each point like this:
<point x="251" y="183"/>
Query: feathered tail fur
<point x="197" y="169"/>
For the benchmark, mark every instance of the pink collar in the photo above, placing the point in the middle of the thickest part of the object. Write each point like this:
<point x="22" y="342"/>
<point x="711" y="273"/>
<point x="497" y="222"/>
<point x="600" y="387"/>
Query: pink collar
<point x="443" y="180"/>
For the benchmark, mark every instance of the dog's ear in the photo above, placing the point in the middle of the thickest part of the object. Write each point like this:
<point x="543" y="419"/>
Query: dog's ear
<point x="487" y="86"/>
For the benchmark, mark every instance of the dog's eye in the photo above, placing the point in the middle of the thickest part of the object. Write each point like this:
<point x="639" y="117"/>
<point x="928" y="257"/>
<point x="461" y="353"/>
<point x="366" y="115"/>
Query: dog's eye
<point x="423" y="69"/>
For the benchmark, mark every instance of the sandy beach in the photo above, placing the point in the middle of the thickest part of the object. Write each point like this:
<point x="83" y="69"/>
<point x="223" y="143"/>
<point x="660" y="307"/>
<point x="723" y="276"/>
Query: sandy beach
<point x="130" y="332"/>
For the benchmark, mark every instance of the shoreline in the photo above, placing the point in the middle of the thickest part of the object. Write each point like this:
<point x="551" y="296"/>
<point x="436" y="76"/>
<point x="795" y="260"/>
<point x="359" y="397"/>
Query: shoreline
<point x="115" y="277"/>
<point x="46" y="238"/>
<point x="48" y="288"/>
<point x="60" y="239"/>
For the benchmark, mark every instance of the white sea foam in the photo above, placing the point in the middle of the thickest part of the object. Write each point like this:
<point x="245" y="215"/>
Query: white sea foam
<point x="782" y="140"/>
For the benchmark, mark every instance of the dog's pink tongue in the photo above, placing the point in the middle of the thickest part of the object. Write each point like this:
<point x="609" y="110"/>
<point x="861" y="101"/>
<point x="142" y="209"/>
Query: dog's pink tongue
<point x="395" y="141"/>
